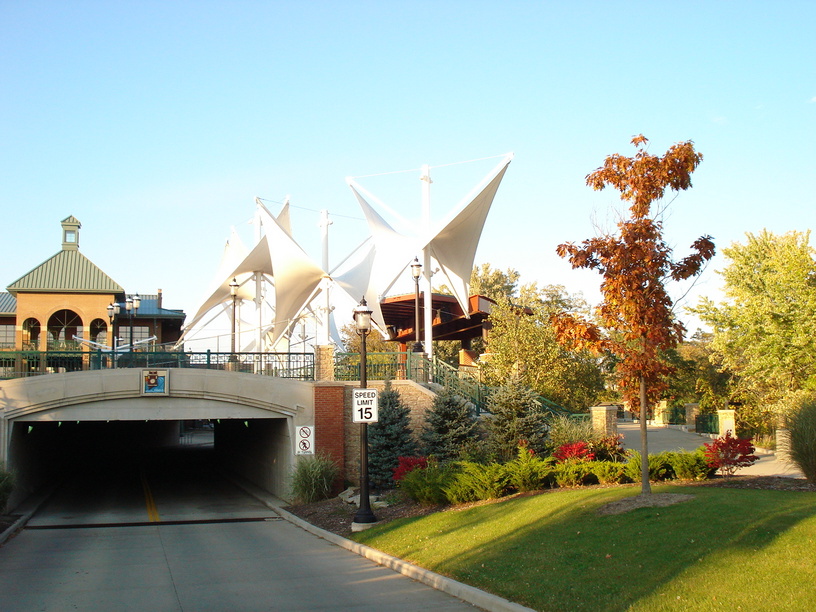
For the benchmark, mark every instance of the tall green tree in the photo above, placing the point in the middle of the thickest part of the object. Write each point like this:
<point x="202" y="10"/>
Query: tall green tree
<point x="389" y="438"/>
<point x="635" y="321"/>
<point x="449" y="427"/>
<point x="523" y="347"/>
<point x="489" y="282"/>
<point x="765" y="329"/>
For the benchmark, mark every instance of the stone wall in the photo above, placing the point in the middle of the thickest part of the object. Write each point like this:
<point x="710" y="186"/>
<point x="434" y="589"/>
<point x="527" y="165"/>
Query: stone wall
<point x="416" y="397"/>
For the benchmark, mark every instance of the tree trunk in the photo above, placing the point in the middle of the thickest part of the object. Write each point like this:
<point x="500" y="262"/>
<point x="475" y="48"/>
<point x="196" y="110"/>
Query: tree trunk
<point x="646" y="488"/>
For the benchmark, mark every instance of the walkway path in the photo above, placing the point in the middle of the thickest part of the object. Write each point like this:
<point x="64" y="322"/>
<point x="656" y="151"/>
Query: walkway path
<point x="665" y="438"/>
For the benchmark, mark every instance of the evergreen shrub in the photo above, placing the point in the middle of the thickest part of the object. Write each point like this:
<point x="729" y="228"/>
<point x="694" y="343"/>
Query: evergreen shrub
<point x="528" y="471"/>
<point x="608" y="472"/>
<point x="574" y="474"/>
<point x="516" y="415"/>
<point x="389" y="438"/>
<point x="450" y="426"/>
<point x="659" y="467"/>
<point x="427" y="485"/>
<point x="690" y="465"/>
<point x="476" y="481"/>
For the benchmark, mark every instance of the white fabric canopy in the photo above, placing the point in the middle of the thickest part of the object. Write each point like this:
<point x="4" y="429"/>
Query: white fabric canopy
<point x="377" y="264"/>
<point x="454" y="246"/>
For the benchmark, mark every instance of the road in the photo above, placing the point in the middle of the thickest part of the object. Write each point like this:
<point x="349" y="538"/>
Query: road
<point x="170" y="534"/>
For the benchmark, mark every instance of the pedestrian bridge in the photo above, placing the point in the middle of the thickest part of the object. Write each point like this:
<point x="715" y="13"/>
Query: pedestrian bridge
<point x="65" y="420"/>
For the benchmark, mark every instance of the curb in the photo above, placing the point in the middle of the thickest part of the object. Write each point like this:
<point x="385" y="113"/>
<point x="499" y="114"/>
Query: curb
<point x="467" y="593"/>
<point x="30" y="509"/>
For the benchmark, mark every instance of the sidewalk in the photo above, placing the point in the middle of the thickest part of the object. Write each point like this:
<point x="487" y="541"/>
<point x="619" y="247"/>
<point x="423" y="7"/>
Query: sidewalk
<point x="671" y="437"/>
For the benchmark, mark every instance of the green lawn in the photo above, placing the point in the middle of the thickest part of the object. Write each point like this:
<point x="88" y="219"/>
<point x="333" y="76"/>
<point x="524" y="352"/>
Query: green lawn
<point x="726" y="549"/>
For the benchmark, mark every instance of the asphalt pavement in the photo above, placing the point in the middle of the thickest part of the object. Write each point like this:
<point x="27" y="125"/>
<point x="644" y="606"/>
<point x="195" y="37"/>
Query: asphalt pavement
<point x="669" y="437"/>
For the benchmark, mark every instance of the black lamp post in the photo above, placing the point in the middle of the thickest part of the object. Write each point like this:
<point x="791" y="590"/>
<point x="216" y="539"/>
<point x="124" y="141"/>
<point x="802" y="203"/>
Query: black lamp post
<point x="362" y="322"/>
<point x="416" y="272"/>
<point x="234" y="293"/>
<point x="132" y="306"/>
<point x="113" y="312"/>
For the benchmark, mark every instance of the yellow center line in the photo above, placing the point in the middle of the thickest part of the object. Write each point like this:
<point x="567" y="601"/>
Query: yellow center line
<point x="152" y="511"/>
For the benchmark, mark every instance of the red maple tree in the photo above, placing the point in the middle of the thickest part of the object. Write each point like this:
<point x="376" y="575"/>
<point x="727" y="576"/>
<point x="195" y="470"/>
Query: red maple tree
<point x="635" y="321"/>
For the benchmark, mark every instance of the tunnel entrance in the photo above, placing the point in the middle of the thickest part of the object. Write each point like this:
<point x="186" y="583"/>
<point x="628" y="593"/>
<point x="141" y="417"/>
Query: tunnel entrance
<point x="49" y="453"/>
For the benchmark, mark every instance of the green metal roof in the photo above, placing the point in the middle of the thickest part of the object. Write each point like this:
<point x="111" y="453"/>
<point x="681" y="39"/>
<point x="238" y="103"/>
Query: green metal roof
<point x="8" y="304"/>
<point x="68" y="271"/>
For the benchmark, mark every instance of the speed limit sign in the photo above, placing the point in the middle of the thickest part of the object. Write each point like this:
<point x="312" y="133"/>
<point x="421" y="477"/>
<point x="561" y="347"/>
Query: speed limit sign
<point x="364" y="406"/>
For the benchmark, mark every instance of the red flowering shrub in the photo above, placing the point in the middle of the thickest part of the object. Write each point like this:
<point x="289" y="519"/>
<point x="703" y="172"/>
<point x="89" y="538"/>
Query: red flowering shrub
<point x="574" y="450"/>
<point x="609" y="448"/>
<point x="407" y="464"/>
<point x="728" y="453"/>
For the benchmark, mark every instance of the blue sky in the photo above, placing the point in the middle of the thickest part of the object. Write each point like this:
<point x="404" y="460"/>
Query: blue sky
<point x="157" y="123"/>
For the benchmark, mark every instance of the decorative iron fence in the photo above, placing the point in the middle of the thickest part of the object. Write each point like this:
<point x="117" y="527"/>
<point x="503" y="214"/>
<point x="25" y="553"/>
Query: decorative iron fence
<point x="707" y="423"/>
<point x="17" y="364"/>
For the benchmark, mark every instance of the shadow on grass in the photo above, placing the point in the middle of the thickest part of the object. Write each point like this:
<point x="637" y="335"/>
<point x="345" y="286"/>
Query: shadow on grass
<point x="554" y="552"/>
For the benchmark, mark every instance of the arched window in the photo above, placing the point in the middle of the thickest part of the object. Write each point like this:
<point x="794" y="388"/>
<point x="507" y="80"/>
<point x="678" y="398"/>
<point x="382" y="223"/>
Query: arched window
<point x="62" y="327"/>
<point x="31" y="335"/>
<point x="99" y="331"/>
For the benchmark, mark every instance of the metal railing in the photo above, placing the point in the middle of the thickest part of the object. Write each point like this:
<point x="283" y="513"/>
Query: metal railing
<point x="18" y="364"/>
<point x="412" y="366"/>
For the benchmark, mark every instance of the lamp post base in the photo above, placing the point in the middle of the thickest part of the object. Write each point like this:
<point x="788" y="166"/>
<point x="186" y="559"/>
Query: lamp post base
<point x="355" y="526"/>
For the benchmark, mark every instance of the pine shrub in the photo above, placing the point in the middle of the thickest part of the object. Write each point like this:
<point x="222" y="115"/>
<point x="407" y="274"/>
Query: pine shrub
<point x="427" y="485"/>
<point x="528" y="471"/>
<point x="574" y="474"/>
<point x="313" y="477"/>
<point x="516" y="415"/>
<point x="389" y="438"/>
<point x="608" y="472"/>
<point x="449" y="427"/>
<point x="690" y="465"/>
<point x="659" y="467"/>
<point x="476" y="481"/>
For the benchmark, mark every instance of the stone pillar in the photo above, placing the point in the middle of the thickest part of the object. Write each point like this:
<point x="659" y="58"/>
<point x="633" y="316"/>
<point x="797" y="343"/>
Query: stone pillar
<point x="727" y="422"/>
<point x="692" y="410"/>
<point x="661" y="413"/>
<point x="324" y="362"/>
<point x="783" y="444"/>
<point x="604" y="420"/>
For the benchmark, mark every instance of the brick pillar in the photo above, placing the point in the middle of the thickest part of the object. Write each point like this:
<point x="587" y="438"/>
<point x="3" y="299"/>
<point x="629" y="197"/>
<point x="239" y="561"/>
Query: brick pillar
<point x="692" y="410"/>
<point x="604" y="420"/>
<point x="727" y="422"/>
<point x="324" y="362"/>
<point x="330" y="439"/>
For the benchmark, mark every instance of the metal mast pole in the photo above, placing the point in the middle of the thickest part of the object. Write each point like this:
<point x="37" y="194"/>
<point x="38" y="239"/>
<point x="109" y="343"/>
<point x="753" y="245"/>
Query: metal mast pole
<point x="426" y="256"/>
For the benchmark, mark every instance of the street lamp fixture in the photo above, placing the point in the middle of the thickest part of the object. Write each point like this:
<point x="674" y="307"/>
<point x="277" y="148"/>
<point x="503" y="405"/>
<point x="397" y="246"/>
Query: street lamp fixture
<point x="416" y="273"/>
<point x="132" y="306"/>
<point x="113" y="312"/>
<point x="362" y="323"/>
